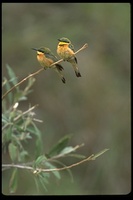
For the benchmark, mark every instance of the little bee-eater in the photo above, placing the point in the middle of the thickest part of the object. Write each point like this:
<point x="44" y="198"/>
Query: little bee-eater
<point x="46" y="58"/>
<point x="65" y="50"/>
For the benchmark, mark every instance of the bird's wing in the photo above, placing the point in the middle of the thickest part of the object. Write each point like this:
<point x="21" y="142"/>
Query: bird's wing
<point x="71" y="47"/>
<point x="51" y="56"/>
<point x="54" y="58"/>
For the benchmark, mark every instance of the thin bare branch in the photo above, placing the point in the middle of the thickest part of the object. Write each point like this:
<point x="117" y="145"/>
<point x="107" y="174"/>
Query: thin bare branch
<point x="7" y="166"/>
<point x="38" y="170"/>
<point x="46" y="170"/>
<point x="24" y="113"/>
<point x="82" y="48"/>
<point x="37" y="72"/>
<point x="31" y="75"/>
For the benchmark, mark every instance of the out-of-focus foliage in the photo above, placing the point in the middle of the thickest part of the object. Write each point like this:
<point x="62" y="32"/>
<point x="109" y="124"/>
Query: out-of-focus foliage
<point x="94" y="108"/>
<point x="19" y="130"/>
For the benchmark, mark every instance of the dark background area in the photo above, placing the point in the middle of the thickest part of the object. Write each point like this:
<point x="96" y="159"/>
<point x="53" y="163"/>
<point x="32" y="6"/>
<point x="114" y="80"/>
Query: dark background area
<point x="94" y="108"/>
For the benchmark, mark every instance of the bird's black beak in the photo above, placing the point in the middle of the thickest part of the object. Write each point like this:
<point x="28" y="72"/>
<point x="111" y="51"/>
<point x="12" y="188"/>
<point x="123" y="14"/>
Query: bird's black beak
<point x="34" y="49"/>
<point x="58" y="39"/>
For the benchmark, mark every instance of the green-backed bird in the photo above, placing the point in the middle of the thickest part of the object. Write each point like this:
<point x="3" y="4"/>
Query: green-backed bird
<point x="46" y="58"/>
<point x="65" y="50"/>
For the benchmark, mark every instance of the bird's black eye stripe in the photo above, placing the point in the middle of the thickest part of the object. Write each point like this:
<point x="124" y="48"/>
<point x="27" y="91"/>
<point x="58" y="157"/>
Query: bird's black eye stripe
<point x="40" y="50"/>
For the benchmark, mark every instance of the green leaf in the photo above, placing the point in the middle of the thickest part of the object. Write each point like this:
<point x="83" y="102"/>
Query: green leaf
<point x="22" y="156"/>
<point x="39" y="145"/>
<point x="4" y="106"/>
<point x="7" y="134"/>
<point x="4" y="119"/>
<point x="13" y="151"/>
<point x="40" y="179"/>
<point x="19" y="96"/>
<point x="29" y="85"/>
<point x="45" y="176"/>
<point x="18" y="128"/>
<point x="13" y="181"/>
<point x="7" y="85"/>
<point x="56" y="173"/>
<point x="12" y="115"/>
<point x="61" y="144"/>
<point x="25" y="135"/>
<point x="11" y="74"/>
<point x="40" y="159"/>
<point x="63" y="165"/>
<point x="36" y="183"/>
<point x="10" y="96"/>
<point x="67" y="150"/>
<point x="27" y="122"/>
<point x="34" y="130"/>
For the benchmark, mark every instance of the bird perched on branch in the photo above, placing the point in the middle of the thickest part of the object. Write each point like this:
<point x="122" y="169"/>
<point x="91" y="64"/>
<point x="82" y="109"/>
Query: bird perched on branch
<point x="46" y="58"/>
<point x="65" y="50"/>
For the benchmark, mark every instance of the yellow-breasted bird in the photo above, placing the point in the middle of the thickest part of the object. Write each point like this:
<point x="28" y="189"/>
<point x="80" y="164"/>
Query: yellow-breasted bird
<point x="65" y="50"/>
<point x="45" y="57"/>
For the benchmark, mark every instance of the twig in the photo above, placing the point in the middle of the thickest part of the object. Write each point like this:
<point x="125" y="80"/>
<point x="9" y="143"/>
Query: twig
<point x="46" y="170"/>
<point x="37" y="72"/>
<point x="38" y="170"/>
<point x="24" y="113"/>
<point x="83" y="47"/>
<point x="5" y="166"/>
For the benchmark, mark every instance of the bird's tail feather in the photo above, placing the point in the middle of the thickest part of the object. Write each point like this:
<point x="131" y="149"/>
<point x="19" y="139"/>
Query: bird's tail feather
<point x="59" y="67"/>
<point x="75" y="67"/>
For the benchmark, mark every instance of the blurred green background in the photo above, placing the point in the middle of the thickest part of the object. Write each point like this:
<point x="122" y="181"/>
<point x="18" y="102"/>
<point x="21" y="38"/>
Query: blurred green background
<point x="94" y="108"/>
